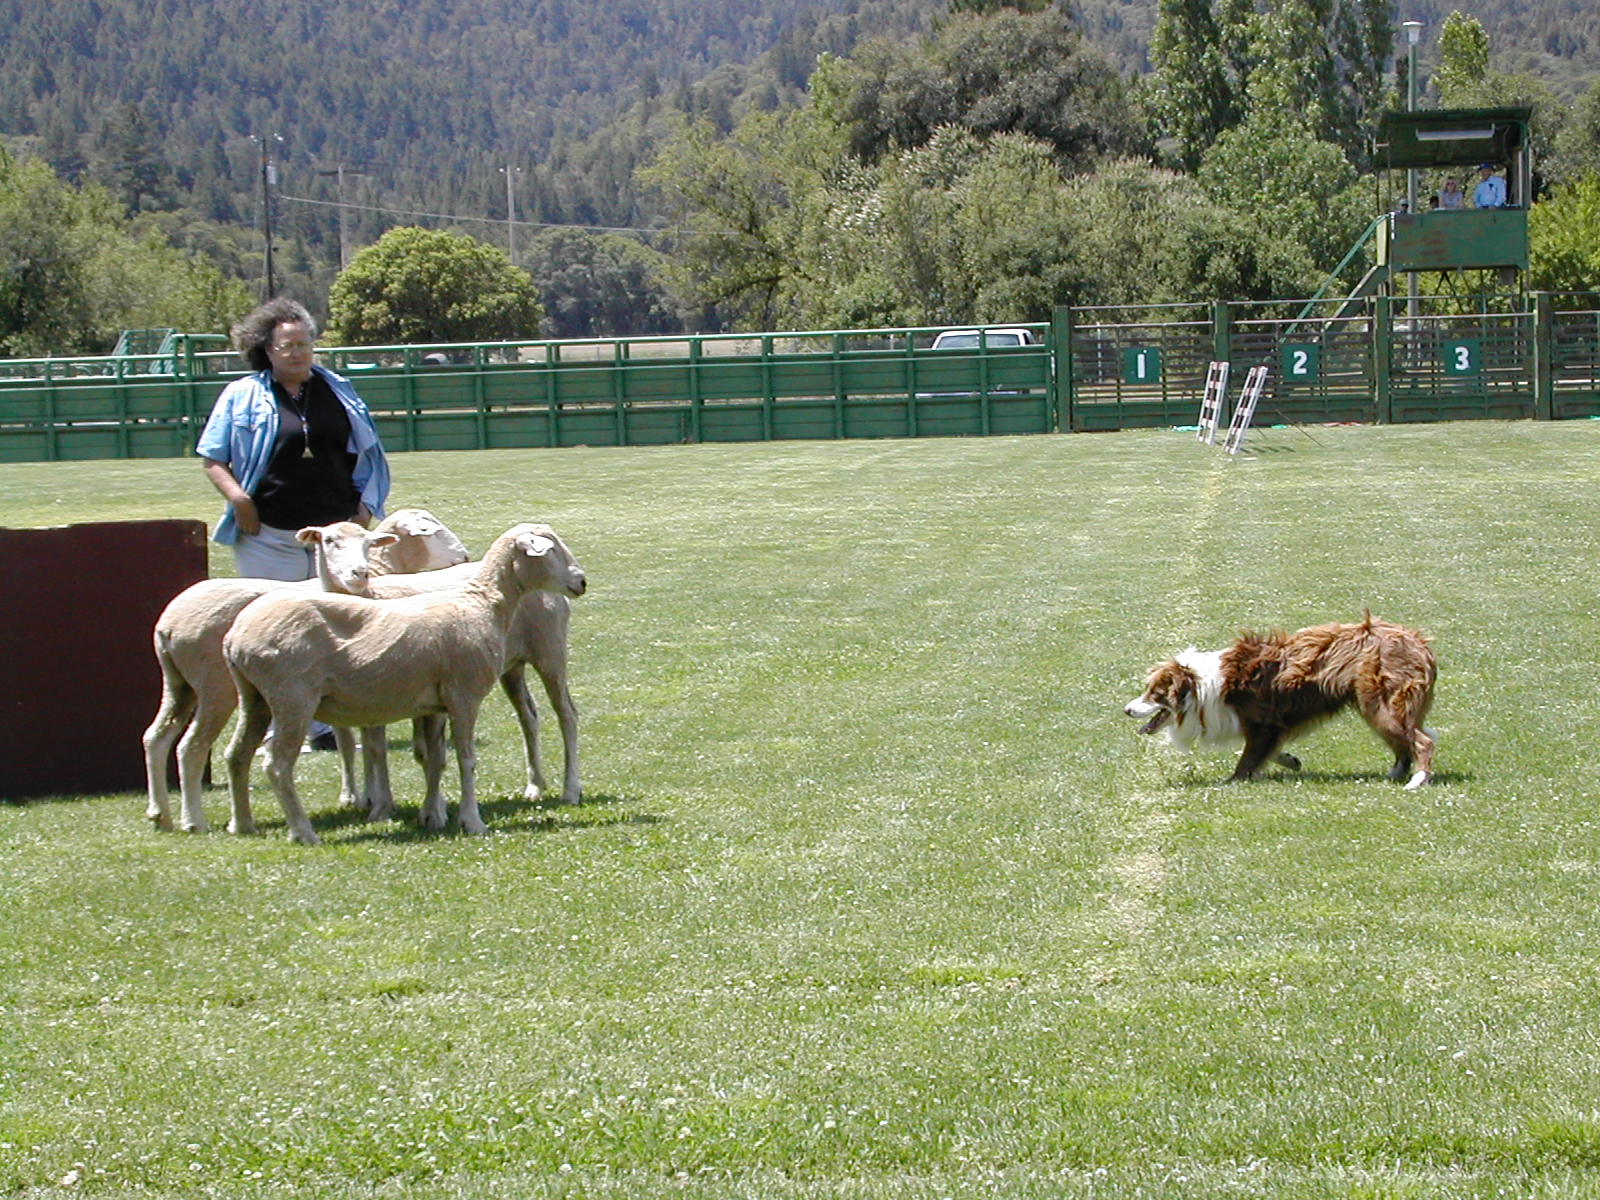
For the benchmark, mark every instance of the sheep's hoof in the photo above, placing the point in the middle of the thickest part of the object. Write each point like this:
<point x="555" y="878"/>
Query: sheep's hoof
<point x="242" y="828"/>
<point x="1420" y="780"/>
<point x="572" y="796"/>
<point x="533" y="793"/>
<point x="199" y="826"/>
<point x="160" y="820"/>
<point x="305" y="837"/>
<point x="474" y="828"/>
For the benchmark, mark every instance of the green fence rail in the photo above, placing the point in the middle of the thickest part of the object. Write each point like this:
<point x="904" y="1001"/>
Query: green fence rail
<point x="1090" y="369"/>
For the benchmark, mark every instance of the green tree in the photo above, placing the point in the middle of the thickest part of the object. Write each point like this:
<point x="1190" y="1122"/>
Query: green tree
<point x="423" y="285"/>
<point x="985" y="8"/>
<point x="1577" y="146"/>
<point x="1200" y="50"/>
<point x="74" y="272"/>
<point x="1466" y="80"/>
<point x="600" y="285"/>
<point x="127" y="159"/>
<point x="1285" y="185"/>
<point x="145" y="282"/>
<point x="741" y="204"/>
<point x="1011" y="72"/>
<point x="1564" y="239"/>
<point x="47" y="237"/>
<point x="973" y="229"/>
<point x="1153" y="236"/>
<point x="1219" y="62"/>
<point x="1463" y="72"/>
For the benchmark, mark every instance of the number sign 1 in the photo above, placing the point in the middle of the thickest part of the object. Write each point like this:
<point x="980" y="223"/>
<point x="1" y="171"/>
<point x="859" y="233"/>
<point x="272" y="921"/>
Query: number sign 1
<point x="1141" y="364"/>
<point x="1463" y="357"/>
<point x="1300" y="363"/>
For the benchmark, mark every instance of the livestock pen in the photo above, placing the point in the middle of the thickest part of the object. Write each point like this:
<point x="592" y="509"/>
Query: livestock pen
<point x="1091" y="369"/>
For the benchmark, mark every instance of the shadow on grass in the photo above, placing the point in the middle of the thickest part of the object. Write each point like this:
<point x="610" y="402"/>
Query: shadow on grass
<point x="1440" y="778"/>
<point x="505" y="813"/>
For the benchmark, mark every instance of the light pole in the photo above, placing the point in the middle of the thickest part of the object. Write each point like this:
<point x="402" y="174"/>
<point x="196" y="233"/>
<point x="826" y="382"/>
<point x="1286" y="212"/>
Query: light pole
<point x="1413" y="36"/>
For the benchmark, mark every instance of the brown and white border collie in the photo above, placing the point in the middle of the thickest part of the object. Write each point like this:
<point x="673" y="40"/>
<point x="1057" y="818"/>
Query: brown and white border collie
<point x="1268" y="688"/>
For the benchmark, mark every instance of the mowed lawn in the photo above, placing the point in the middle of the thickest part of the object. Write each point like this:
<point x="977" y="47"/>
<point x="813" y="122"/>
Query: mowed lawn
<point x="875" y="892"/>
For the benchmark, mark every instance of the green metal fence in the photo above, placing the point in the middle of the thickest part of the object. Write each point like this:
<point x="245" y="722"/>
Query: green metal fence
<point x="1091" y="369"/>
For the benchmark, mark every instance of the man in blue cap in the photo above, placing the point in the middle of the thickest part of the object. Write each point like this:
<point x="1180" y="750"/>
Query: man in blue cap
<point x="1491" y="189"/>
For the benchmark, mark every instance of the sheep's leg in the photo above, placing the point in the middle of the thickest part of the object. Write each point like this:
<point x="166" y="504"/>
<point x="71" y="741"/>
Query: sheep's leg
<point x="555" y="686"/>
<point x="350" y="796"/>
<point x="378" y="796"/>
<point x="177" y="703"/>
<point x="463" y="720"/>
<point x="254" y="719"/>
<point x="289" y="730"/>
<point x="514" y="684"/>
<point x="194" y="755"/>
<point x="427" y="742"/>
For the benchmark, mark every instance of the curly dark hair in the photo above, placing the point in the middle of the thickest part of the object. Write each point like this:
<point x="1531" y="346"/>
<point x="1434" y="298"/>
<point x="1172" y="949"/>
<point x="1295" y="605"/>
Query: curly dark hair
<point x="253" y="332"/>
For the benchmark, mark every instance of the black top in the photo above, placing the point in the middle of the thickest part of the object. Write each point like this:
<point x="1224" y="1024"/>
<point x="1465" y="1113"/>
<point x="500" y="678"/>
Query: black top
<point x="316" y="489"/>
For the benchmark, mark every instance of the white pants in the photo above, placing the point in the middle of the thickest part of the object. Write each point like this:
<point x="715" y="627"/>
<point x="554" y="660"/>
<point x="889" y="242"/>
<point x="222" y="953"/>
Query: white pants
<point x="273" y="554"/>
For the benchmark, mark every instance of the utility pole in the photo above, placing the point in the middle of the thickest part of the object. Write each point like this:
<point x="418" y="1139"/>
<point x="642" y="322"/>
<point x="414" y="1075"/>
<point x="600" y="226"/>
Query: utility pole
<point x="269" y="177"/>
<point x="511" y="212"/>
<point x="344" y="237"/>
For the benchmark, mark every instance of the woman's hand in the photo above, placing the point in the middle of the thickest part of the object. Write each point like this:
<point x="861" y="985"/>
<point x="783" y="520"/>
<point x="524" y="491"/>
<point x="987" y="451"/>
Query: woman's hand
<point x="246" y="516"/>
<point x="363" y="516"/>
<point x="244" y="508"/>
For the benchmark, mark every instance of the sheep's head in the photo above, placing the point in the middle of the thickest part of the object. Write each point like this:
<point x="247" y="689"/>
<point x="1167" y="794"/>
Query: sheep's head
<point x="425" y="544"/>
<point x="544" y="562"/>
<point x="343" y="555"/>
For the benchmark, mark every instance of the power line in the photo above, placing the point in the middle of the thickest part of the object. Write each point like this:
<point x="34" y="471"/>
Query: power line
<point x="407" y="212"/>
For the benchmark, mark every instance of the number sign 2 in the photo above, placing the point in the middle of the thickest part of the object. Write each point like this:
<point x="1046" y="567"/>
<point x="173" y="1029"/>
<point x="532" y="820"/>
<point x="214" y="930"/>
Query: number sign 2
<point x="1300" y="363"/>
<point x="1141" y="364"/>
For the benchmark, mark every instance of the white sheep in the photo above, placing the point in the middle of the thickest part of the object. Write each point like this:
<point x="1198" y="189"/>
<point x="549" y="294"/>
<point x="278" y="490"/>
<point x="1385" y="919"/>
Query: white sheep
<point x="537" y="637"/>
<point x="354" y="661"/>
<point x="196" y="688"/>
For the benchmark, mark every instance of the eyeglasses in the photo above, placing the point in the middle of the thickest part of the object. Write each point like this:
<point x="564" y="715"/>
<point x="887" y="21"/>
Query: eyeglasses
<point x="293" y="347"/>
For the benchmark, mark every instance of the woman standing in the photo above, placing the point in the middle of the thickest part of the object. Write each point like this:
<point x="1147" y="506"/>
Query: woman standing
<point x="289" y="445"/>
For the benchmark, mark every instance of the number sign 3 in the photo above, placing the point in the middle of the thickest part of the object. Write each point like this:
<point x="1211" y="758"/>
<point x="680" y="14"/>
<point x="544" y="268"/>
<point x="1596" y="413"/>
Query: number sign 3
<point x="1463" y="357"/>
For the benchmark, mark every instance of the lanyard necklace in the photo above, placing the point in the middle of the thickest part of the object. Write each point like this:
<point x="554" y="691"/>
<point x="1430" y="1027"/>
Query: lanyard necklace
<point x="301" y="404"/>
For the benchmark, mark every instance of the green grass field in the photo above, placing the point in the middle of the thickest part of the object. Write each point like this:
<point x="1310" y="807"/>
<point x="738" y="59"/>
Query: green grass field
<point x="875" y="892"/>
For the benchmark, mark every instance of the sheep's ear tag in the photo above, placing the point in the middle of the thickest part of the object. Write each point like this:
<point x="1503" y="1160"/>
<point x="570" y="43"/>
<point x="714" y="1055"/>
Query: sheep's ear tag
<point x="537" y="544"/>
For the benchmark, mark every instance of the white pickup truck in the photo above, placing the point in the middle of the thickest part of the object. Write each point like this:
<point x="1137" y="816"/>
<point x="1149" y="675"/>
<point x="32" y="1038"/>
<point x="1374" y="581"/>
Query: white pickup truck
<point x="967" y="339"/>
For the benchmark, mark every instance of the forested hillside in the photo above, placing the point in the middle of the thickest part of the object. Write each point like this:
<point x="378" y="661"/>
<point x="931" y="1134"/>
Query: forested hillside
<point x="385" y="112"/>
<point x="428" y="98"/>
<point x="413" y="94"/>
